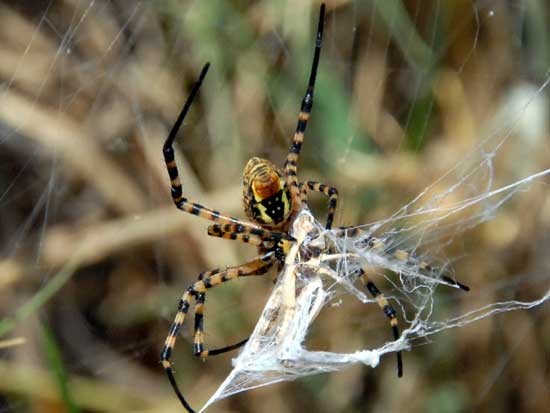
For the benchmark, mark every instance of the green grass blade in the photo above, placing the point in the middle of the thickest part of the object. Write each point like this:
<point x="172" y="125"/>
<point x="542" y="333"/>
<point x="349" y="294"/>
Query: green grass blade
<point x="57" y="368"/>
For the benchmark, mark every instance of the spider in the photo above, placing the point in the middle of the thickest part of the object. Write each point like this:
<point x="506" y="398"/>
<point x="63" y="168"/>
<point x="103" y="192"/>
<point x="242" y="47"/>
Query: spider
<point x="272" y="198"/>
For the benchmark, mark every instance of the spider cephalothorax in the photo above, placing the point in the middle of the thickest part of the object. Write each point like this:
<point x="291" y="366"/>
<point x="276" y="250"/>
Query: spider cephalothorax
<point x="265" y="195"/>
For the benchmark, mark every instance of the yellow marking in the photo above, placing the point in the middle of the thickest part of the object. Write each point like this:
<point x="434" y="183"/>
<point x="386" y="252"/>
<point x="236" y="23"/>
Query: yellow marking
<point x="263" y="213"/>
<point x="303" y="116"/>
<point x="285" y="245"/>
<point x="286" y="204"/>
<point x="171" y="164"/>
<point x="166" y="364"/>
<point x="393" y="322"/>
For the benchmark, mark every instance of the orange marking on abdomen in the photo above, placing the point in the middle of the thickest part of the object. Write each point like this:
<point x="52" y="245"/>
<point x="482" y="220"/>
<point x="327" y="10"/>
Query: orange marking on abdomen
<point x="266" y="185"/>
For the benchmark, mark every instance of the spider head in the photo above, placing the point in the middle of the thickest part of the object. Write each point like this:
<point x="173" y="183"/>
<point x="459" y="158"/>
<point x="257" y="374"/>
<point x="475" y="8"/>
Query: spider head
<point x="266" y="198"/>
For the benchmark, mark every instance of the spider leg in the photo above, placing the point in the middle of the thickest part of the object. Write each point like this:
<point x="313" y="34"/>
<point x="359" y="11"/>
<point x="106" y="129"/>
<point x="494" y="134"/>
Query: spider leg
<point x="176" y="187"/>
<point x="198" y="322"/>
<point x="290" y="168"/>
<point x="217" y="231"/>
<point x="399" y="254"/>
<point x="387" y="309"/>
<point x="262" y="238"/>
<point x="329" y="191"/>
<point x="406" y="256"/>
<point x="259" y="266"/>
<point x="265" y="240"/>
<point x="194" y="291"/>
<point x="265" y="234"/>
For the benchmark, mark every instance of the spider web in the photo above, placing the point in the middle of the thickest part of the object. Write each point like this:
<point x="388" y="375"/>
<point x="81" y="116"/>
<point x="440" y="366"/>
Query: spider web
<point x="277" y="351"/>
<point x="93" y="250"/>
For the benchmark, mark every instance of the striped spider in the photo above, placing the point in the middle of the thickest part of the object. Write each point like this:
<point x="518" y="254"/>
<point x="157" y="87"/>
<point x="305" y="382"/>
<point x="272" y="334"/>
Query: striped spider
<point x="272" y="198"/>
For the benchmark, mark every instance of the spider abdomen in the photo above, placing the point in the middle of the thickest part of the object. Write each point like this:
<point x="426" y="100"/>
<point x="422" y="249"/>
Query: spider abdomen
<point x="265" y="196"/>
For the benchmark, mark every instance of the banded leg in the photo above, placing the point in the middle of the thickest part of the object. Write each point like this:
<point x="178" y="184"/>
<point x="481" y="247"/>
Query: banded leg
<point x="406" y="256"/>
<point x="195" y="291"/>
<point x="220" y="350"/>
<point x="176" y="187"/>
<point x="259" y="266"/>
<point x="387" y="309"/>
<point x="276" y="241"/>
<point x="265" y="240"/>
<point x="262" y="233"/>
<point x="290" y="166"/>
<point x="329" y="191"/>
<point x="218" y="231"/>
<point x="183" y="308"/>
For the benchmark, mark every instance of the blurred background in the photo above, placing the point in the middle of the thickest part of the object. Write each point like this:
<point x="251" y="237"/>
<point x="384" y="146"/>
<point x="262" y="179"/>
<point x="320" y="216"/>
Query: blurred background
<point x="94" y="256"/>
